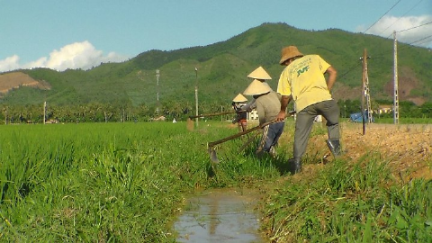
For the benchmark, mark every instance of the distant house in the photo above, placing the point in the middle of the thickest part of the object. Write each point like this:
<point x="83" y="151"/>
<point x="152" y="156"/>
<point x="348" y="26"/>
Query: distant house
<point x="52" y="121"/>
<point x="161" y="118"/>
<point x="384" y="109"/>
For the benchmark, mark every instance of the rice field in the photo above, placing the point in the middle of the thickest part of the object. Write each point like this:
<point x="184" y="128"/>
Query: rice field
<point x="127" y="182"/>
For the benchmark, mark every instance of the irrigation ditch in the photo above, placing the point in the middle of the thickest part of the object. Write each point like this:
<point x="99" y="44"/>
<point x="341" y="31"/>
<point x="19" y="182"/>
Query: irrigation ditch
<point x="220" y="215"/>
<point x="154" y="182"/>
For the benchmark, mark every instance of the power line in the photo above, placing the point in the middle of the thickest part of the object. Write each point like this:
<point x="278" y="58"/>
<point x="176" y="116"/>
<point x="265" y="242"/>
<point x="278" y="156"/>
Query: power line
<point x="356" y="65"/>
<point x="424" y="38"/>
<point x="414" y="42"/>
<point x="415" y="27"/>
<point x="349" y="70"/>
<point x="403" y="15"/>
<point x="381" y="54"/>
<point x="382" y="16"/>
<point x="399" y="31"/>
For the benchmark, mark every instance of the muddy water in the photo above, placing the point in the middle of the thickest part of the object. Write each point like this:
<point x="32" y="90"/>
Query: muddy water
<point x="220" y="215"/>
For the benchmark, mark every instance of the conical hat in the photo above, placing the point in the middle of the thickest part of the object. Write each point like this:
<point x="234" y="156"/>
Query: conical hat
<point x="259" y="73"/>
<point x="256" y="88"/>
<point x="240" y="98"/>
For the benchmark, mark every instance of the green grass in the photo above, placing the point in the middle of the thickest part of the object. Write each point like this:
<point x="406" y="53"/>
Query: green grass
<point x="99" y="182"/>
<point x="119" y="182"/>
<point x="125" y="182"/>
<point x="350" y="203"/>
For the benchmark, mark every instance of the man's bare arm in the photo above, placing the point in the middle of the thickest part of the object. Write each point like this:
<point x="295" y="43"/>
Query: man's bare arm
<point x="285" y="100"/>
<point x="332" y="74"/>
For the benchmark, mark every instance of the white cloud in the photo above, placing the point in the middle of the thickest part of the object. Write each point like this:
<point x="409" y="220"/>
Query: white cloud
<point x="415" y="30"/>
<point x="10" y="63"/>
<point x="79" y="55"/>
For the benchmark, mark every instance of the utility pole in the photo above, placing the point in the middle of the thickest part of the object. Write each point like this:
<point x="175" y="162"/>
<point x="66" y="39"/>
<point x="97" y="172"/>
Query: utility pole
<point x="395" y="83"/>
<point x="157" y="91"/>
<point x="44" y="112"/>
<point x="6" y="115"/>
<point x="196" y="96"/>
<point x="365" y="93"/>
<point x="367" y="90"/>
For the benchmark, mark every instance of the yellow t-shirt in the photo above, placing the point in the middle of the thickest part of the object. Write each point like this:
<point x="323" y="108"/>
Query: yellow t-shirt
<point x="304" y="80"/>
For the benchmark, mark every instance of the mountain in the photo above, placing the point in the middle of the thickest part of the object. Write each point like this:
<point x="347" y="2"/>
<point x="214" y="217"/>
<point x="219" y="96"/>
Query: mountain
<point x="222" y="69"/>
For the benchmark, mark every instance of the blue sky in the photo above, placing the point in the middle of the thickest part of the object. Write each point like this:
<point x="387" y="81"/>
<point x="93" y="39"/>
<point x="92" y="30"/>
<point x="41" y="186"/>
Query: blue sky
<point x="62" y="34"/>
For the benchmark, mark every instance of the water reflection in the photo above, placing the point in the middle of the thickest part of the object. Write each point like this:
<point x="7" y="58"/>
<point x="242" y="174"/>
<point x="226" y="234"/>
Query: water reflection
<point x="219" y="215"/>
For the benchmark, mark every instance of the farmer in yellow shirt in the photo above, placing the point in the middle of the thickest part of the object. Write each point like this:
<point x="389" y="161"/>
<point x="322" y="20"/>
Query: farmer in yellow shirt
<point x="303" y="81"/>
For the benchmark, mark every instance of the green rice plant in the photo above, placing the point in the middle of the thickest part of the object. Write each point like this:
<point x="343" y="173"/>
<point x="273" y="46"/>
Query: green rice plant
<point x="344" y="203"/>
<point x="409" y="212"/>
<point x="102" y="182"/>
<point x="243" y="167"/>
<point x="120" y="182"/>
<point x="366" y="174"/>
<point x="318" y="129"/>
<point x="126" y="182"/>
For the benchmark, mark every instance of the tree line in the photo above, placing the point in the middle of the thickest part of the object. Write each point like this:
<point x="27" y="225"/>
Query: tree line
<point x="407" y="109"/>
<point x="125" y="112"/>
<point x="104" y="112"/>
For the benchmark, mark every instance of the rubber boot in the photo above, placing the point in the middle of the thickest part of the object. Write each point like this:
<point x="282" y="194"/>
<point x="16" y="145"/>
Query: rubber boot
<point x="296" y="165"/>
<point x="334" y="147"/>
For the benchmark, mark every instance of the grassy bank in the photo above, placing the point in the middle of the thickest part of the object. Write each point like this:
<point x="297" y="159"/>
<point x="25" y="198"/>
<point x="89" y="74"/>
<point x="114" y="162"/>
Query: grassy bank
<point x="350" y="203"/>
<point x="125" y="182"/>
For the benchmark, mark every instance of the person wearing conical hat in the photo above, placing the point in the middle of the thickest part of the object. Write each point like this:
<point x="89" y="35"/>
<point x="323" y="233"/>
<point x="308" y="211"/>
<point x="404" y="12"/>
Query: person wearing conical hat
<point x="259" y="74"/>
<point x="241" y="116"/>
<point x="303" y="81"/>
<point x="268" y="105"/>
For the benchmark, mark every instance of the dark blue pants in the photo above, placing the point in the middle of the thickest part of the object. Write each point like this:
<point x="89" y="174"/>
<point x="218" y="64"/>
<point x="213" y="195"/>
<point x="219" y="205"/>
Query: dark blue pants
<point x="271" y="135"/>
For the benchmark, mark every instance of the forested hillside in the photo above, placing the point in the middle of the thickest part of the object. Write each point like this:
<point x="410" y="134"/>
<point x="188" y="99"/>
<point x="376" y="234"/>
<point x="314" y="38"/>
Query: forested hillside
<point x="222" y="69"/>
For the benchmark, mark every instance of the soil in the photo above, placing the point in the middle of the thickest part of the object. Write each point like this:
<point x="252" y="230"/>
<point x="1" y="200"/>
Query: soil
<point x="16" y="80"/>
<point x="406" y="148"/>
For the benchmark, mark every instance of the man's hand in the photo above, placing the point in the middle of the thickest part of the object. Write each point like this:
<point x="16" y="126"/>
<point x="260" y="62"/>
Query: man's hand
<point x="285" y="100"/>
<point x="281" y="116"/>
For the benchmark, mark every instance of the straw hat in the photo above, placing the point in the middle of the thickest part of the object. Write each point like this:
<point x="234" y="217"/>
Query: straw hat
<point x="257" y="87"/>
<point x="240" y="98"/>
<point x="259" y="73"/>
<point x="288" y="53"/>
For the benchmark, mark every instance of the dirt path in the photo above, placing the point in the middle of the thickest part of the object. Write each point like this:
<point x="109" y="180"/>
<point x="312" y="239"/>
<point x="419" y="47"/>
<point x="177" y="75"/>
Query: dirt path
<point x="407" y="148"/>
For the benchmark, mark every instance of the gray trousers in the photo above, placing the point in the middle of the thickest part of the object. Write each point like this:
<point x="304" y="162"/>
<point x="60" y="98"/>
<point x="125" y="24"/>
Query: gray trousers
<point x="304" y="122"/>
